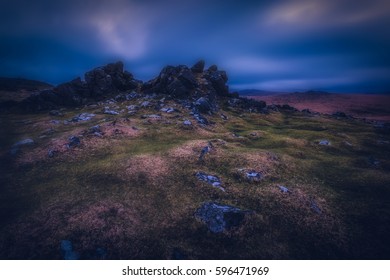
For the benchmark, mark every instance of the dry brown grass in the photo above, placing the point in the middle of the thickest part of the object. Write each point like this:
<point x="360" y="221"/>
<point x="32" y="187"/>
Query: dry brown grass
<point x="154" y="167"/>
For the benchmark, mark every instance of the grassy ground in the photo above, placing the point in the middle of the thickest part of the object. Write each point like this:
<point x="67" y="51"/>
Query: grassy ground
<point x="133" y="192"/>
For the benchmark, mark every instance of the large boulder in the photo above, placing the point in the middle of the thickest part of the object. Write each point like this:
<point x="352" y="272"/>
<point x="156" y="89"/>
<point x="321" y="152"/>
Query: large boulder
<point x="219" y="217"/>
<point x="110" y="79"/>
<point x="218" y="80"/>
<point x="176" y="81"/>
<point x="204" y="105"/>
<point x="198" y="67"/>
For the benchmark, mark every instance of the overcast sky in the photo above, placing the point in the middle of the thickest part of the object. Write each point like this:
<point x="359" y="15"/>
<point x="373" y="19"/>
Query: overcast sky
<point x="334" y="45"/>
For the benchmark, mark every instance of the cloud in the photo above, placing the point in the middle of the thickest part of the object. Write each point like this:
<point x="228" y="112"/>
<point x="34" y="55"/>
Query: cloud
<point x="122" y="31"/>
<point x="298" y="84"/>
<point x="320" y="14"/>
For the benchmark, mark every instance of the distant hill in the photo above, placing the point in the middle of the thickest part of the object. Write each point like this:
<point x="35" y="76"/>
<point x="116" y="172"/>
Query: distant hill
<point x="370" y="106"/>
<point x="16" y="84"/>
<point x="257" y="92"/>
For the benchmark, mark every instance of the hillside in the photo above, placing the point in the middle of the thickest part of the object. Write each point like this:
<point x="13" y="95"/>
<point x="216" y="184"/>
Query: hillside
<point x="18" y="89"/>
<point x="370" y="106"/>
<point x="179" y="168"/>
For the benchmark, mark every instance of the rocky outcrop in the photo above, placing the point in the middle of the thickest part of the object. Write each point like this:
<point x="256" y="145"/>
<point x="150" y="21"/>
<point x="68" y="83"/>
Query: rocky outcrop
<point x="109" y="79"/>
<point x="99" y="83"/>
<point x="182" y="82"/>
<point x="201" y="89"/>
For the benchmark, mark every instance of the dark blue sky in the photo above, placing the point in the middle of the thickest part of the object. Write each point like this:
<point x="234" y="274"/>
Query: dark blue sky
<point x="335" y="45"/>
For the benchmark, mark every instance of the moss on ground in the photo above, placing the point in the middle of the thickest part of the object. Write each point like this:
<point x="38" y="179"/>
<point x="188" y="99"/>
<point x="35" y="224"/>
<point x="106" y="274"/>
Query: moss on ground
<point x="135" y="194"/>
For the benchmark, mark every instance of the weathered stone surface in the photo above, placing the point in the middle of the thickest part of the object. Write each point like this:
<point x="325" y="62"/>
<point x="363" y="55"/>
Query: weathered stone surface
<point x="99" y="82"/>
<point x="198" y="67"/>
<point x="211" y="179"/>
<point x="73" y="141"/>
<point x="203" y="105"/>
<point x="219" y="217"/>
<point x="16" y="147"/>
<point x="324" y="142"/>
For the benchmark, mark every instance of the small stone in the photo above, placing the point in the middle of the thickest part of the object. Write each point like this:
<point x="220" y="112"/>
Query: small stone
<point x="73" y="141"/>
<point x="324" y="142"/>
<point x="211" y="179"/>
<point x="132" y="107"/>
<point x="315" y="207"/>
<point x="52" y="153"/>
<point x="203" y="152"/>
<point x="153" y="116"/>
<point x="132" y="95"/>
<point x="55" y="113"/>
<point x="82" y="117"/>
<point x="187" y="123"/>
<point x="145" y="104"/>
<point x="24" y="142"/>
<point x="167" y="110"/>
<point x="110" y="112"/>
<point x="283" y="189"/>
<point x="253" y="175"/>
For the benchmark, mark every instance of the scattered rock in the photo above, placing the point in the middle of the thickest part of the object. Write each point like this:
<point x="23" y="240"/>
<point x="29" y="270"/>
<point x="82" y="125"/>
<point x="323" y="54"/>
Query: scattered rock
<point x="16" y="147"/>
<point x="348" y="143"/>
<point x="324" y="142"/>
<point x="145" y="104"/>
<point x="67" y="250"/>
<point x="283" y="189"/>
<point x="187" y="123"/>
<point x="314" y="206"/>
<point x="132" y="95"/>
<point x="168" y="110"/>
<point x="219" y="217"/>
<point x="200" y="119"/>
<point x="253" y="176"/>
<point x="52" y="153"/>
<point x="83" y="117"/>
<point x="213" y="180"/>
<point x="55" y="113"/>
<point x="110" y="112"/>
<point x="152" y="116"/>
<point x="24" y="142"/>
<point x="203" y="105"/>
<point x="224" y="117"/>
<point x="73" y="141"/>
<point x="203" y="152"/>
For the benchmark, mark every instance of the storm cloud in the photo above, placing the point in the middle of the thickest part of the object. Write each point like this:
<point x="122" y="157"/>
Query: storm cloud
<point x="273" y="45"/>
